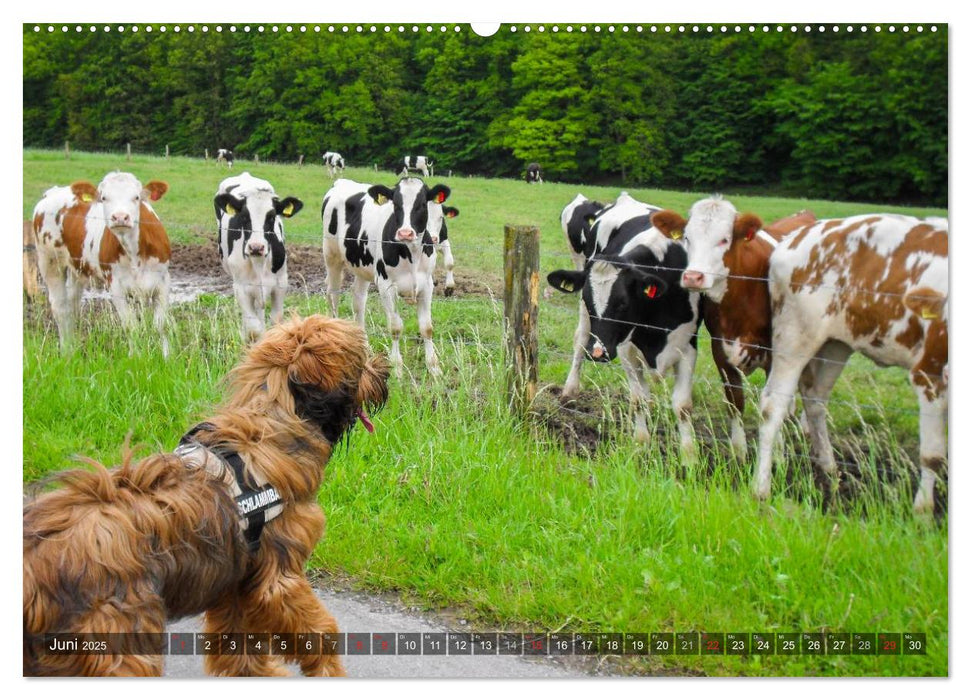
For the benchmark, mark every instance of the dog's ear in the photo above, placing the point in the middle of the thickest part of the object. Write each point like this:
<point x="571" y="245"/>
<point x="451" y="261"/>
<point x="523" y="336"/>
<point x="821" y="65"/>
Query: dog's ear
<point x="373" y="389"/>
<point x="331" y="411"/>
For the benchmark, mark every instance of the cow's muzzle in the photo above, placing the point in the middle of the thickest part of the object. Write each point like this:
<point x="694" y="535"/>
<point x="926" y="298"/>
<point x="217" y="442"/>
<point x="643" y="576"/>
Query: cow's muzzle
<point x="256" y="249"/>
<point x="405" y="234"/>
<point x="693" y="280"/>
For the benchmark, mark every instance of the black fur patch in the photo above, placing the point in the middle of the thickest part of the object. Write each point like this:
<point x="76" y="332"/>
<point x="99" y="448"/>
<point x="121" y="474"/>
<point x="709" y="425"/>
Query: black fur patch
<point x="333" y="412"/>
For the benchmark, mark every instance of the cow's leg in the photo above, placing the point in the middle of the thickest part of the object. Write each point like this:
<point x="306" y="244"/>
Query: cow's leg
<point x="389" y="299"/>
<point x="59" y="289"/>
<point x="780" y="387"/>
<point x="359" y="299"/>
<point x="449" y="263"/>
<point x="119" y="298"/>
<point x="816" y="384"/>
<point x="732" y="379"/>
<point x="334" y="263"/>
<point x="162" y="310"/>
<point x="247" y="298"/>
<point x="572" y="386"/>
<point x="681" y="399"/>
<point x="933" y="439"/>
<point x="278" y="292"/>
<point x="640" y="391"/>
<point x="425" y="324"/>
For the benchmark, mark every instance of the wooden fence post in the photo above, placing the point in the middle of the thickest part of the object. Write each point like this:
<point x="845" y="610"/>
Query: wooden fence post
<point x="166" y="151"/>
<point x="207" y="155"/>
<point x="128" y="151"/>
<point x="521" y="309"/>
<point x="300" y="160"/>
<point x="67" y="150"/>
<point x="256" y="158"/>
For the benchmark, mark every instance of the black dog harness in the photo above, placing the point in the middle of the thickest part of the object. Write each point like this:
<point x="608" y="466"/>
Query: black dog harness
<point x="257" y="504"/>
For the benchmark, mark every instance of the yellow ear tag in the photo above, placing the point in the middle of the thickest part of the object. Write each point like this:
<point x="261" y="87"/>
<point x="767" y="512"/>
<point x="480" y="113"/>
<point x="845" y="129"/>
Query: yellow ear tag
<point x="675" y="235"/>
<point x="288" y="210"/>
<point x="568" y="285"/>
<point x="86" y="197"/>
<point x="927" y="314"/>
<point x="230" y="209"/>
<point x="381" y="199"/>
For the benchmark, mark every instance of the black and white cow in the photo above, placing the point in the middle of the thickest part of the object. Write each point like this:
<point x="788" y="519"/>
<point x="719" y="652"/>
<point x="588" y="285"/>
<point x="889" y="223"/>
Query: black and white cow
<point x="334" y="162"/>
<point x="577" y="219"/>
<point x="250" y="218"/>
<point x="438" y="230"/>
<point x="422" y="164"/>
<point x="637" y="310"/>
<point x="224" y="155"/>
<point x="533" y="173"/>
<point x="386" y="236"/>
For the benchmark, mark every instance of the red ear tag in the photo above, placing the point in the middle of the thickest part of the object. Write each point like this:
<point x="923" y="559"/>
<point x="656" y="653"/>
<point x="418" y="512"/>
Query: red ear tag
<point x="750" y="235"/>
<point x="451" y="215"/>
<point x="440" y="197"/>
<point x="651" y="291"/>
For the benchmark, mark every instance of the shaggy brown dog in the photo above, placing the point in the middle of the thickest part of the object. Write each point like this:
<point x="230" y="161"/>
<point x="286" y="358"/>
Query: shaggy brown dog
<point x="165" y="537"/>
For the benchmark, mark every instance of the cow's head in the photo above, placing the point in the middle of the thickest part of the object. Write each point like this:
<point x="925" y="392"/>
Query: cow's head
<point x="410" y="198"/>
<point x="437" y="225"/>
<point x="712" y="231"/>
<point x="254" y="214"/>
<point x="617" y="294"/>
<point x="120" y="195"/>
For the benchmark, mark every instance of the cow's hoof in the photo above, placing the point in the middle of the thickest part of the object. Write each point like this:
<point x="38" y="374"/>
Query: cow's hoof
<point x="762" y="491"/>
<point x="449" y="291"/>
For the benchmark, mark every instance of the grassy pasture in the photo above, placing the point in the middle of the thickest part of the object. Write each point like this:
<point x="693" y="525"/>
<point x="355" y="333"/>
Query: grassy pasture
<point x="566" y="525"/>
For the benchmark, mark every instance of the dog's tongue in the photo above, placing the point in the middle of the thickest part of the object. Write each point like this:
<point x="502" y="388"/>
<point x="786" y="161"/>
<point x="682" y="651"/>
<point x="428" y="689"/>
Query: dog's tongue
<point x="365" y="420"/>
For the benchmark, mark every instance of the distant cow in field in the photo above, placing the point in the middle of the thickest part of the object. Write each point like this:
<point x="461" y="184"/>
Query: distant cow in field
<point x="386" y="236"/>
<point x="111" y="234"/>
<point x="438" y="231"/>
<point x="637" y="309"/>
<point x="334" y="162"/>
<point x="533" y="174"/>
<point x="224" y="155"/>
<point x="875" y="284"/>
<point x="422" y="164"/>
<point x="737" y="310"/>
<point x="250" y="218"/>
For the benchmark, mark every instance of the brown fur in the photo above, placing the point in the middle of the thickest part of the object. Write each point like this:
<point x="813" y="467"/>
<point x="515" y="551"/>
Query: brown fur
<point x="745" y="312"/>
<point x="124" y="550"/>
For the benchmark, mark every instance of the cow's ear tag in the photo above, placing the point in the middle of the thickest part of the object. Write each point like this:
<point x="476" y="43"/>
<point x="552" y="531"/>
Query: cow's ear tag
<point x="230" y="209"/>
<point x="86" y="197"/>
<point x="651" y="291"/>
<point x="567" y="285"/>
<point x="440" y="197"/>
<point x="590" y="218"/>
<point x="928" y="314"/>
<point x="751" y="234"/>
<point x="288" y="210"/>
<point x="677" y="234"/>
<point x="451" y="214"/>
<point x="381" y="199"/>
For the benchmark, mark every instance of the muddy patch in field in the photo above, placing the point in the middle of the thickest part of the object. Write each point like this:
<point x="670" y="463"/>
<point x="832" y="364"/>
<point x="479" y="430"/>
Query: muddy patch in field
<point x="197" y="269"/>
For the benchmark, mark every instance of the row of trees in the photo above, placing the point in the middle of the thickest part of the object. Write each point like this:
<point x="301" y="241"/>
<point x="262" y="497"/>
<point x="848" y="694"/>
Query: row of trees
<point x="848" y="115"/>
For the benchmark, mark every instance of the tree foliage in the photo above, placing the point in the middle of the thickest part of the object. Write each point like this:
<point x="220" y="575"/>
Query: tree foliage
<point x="850" y="116"/>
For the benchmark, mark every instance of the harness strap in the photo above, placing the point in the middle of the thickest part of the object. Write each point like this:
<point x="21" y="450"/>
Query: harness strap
<point x="257" y="504"/>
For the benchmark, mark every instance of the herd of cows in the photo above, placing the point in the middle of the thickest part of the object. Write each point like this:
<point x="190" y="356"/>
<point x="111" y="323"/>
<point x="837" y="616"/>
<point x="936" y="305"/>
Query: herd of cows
<point x="795" y="298"/>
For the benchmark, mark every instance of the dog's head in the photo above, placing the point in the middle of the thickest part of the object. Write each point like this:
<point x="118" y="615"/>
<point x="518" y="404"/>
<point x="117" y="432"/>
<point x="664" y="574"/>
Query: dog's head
<point x="318" y="368"/>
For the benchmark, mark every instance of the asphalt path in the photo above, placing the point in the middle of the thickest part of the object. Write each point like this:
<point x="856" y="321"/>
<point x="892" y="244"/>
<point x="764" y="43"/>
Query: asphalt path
<point x="359" y="613"/>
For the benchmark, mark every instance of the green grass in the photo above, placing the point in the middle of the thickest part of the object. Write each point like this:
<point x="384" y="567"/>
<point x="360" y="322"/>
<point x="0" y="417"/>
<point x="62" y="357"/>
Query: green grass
<point x="453" y="503"/>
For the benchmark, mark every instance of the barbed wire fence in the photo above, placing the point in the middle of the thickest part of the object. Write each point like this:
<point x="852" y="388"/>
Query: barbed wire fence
<point x="523" y="366"/>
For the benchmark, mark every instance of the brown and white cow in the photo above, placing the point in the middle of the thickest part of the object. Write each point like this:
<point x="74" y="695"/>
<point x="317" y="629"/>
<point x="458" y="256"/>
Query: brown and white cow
<point x="736" y="310"/>
<point x="875" y="284"/>
<point x="111" y="234"/>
